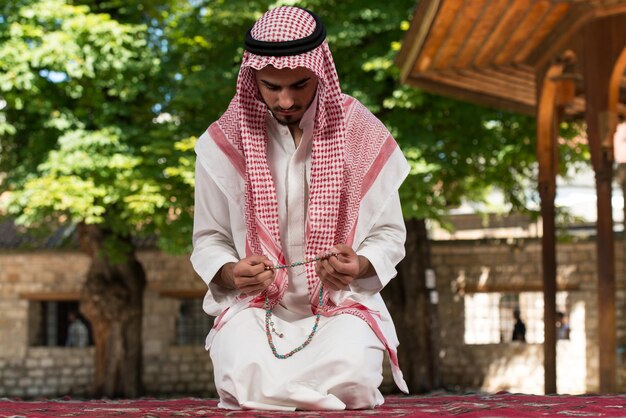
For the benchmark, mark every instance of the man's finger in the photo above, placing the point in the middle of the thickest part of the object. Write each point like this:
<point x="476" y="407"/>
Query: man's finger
<point x="255" y="289"/>
<point x="249" y="269"/>
<point x="319" y="269"/>
<point x="330" y="283"/>
<point x="337" y="274"/>
<point x="261" y="277"/>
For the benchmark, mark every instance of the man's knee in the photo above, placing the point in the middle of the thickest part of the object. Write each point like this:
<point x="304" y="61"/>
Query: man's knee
<point x="358" y="395"/>
<point x="362" y="369"/>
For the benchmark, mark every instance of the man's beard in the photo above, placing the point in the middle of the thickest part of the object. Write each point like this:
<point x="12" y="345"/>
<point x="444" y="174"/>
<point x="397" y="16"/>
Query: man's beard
<point x="287" y="119"/>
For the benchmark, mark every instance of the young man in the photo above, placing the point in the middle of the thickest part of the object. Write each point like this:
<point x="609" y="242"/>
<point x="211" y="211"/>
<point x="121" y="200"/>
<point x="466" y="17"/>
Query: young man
<point x="298" y="226"/>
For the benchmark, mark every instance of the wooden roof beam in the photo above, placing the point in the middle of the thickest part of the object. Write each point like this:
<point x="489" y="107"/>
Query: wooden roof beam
<point x="500" y="32"/>
<point x="561" y="35"/>
<point x="495" y="83"/>
<point x="462" y="26"/>
<point x="440" y="27"/>
<point x="490" y="15"/>
<point x="610" y="9"/>
<point x="547" y="24"/>
<point x="461" y="93"/>
<point x="535" y="14"/>
<point x="526" y="80"/>
<point x="415" y="37"/>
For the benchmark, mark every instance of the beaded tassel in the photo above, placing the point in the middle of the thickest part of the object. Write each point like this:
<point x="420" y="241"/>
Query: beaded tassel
<point x="268" y="332"/>
<point x="269" y="324"/>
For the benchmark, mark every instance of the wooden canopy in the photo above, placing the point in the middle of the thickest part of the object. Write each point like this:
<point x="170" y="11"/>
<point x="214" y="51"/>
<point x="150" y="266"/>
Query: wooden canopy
<point x="489" y="51"/>
<point x="554" y="59"/>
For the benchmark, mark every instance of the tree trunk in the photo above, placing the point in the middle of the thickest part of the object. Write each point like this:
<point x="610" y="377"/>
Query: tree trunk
<point x="112" y="301"/>
<point x="408" y="300"/>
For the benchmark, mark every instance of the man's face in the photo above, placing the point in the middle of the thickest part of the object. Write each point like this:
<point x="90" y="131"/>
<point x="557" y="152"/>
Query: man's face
<point x="287" y="92"/>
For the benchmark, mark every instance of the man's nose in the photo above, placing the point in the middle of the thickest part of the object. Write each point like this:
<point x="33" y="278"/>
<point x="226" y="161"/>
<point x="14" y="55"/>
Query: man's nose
<point x="285" y="99"/>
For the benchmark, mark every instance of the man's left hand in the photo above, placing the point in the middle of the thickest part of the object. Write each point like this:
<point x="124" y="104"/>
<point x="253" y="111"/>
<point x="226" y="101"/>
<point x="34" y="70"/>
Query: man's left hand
<point x="338" y="271"/>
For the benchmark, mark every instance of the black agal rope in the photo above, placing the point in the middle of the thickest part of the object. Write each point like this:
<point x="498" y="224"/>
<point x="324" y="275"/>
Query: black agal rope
<point x="295" y="47"/>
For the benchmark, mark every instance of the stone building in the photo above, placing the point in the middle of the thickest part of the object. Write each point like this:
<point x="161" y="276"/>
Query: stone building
<point x="478" y="284"/>
<point x="481" y="282"/>
<point x="38" y="288"/>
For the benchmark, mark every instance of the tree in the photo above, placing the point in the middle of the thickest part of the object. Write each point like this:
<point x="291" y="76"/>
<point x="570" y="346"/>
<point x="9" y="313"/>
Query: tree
<point x="80" y="145"/>
<point x="101" y="102"/>
<point x="457" y="151"/>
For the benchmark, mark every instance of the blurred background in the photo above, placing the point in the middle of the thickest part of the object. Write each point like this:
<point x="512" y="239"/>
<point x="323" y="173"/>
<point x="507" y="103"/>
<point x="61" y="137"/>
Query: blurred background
<point x="101" y="103"/>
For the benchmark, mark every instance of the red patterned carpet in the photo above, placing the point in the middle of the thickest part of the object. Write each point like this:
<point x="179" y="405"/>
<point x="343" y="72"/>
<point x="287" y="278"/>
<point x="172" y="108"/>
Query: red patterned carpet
<point x="476" y="405"/>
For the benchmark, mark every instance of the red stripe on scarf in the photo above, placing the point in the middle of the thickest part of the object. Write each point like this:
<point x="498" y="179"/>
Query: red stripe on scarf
<point x="387" y="149"/>
<point x="228" y="148"/>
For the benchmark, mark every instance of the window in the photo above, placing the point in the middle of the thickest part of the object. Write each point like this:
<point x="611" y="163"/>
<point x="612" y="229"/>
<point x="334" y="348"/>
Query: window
<point x="58" y="324"/>
<point x="490" y="317"/>
<point x="192" y="323"/>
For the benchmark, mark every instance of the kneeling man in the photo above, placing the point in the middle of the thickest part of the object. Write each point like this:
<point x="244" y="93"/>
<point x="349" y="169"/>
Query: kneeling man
<point x="297" y="228"/>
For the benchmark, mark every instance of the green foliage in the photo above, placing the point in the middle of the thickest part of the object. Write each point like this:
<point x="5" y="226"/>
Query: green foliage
<point x="205" y="45"/>
<point x="458" y="151"/>
<point x="79" y="140"/>
<point x="101" y="104"/>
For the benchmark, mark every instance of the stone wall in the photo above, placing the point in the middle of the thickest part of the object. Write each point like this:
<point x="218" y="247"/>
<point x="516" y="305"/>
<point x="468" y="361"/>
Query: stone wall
<point x="29" y="273"/>
<point x="29" y="277"/>
<point x="48" y="371"/>
<point x="463" y="267"/>
<point x="170" y="369"/>
<point x="179" y="370"/>
<point x="460" y="267"/>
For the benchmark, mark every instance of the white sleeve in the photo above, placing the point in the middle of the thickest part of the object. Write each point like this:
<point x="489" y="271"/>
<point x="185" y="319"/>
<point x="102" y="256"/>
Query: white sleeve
<point x="383" y="247"/>
<point x="213" y="244"/>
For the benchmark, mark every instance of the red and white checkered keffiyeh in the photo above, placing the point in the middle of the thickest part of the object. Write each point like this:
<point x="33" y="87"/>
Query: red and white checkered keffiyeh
<point x="343" y="165"/>
<point x="246" y="120"/>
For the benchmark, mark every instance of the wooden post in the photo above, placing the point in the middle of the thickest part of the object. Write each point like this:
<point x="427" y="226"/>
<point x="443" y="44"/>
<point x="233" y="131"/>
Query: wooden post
<point x="547" y="129"/>
<point x="602" y="42"/>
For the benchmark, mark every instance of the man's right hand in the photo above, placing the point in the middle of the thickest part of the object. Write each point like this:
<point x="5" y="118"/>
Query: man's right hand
<point x="248" y="275"/>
